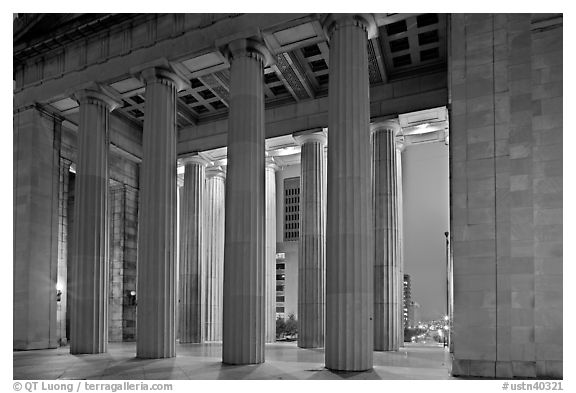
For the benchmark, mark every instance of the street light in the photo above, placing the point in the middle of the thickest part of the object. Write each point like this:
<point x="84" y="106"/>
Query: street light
<point x="447" y="316"/>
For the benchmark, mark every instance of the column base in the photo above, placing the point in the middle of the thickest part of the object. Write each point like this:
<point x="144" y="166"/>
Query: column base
<point x="232" y="363"/>
<point x="343" y="370"/>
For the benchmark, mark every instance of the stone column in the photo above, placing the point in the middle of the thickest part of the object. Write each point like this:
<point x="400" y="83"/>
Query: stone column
<point x="388" y="287"/>
<point x="244" y="260"/>
<point x="191" y="264"/>
<point x="400" y="243"/>
<point x="214" y="246"/>
<point x="179" y="221"/>
<point x="156" y="314"/>
<point x="349" y="233"/>
<point x="270" y="183"/>
<point x="312" y="247"/>
<point x="89" y="313"/>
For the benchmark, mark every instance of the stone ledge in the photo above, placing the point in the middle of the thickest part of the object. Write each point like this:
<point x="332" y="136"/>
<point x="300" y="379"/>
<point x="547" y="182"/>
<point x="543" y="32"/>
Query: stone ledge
<point x="542" y="369"/>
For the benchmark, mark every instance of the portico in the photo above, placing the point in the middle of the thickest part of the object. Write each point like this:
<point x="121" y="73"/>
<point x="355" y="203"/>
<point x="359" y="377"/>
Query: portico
<point x="219" y="103"/>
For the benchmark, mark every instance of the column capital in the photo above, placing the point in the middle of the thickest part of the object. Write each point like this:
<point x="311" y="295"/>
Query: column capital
<point x="161" y="71"/>
<point x="365" y="21"/>
<point x="216" y="171"/>
<point x="193" y="158"/>
<point x="271" y="164"/>
<point x="388" y="125"/>
<point x="318" y="135"/>
<point x="97" y="94"/>
<point x="249" y="43"/>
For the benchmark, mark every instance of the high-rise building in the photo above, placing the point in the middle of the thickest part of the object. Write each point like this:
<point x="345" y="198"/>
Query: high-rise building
<point x="407" y="310"/>
<point x="280" y="285"/>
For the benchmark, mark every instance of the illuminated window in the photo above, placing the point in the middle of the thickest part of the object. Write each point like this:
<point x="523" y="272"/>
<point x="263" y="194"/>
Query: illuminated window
<point x="292" y="209"/>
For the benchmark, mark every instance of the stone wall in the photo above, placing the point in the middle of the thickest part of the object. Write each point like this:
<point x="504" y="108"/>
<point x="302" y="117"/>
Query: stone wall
<point x="505" y="77"/>
<point x="69" y="243"/>
<point x="123" y="215"/>
<point x="35" y="193"/>
<point x="62" y="284"/>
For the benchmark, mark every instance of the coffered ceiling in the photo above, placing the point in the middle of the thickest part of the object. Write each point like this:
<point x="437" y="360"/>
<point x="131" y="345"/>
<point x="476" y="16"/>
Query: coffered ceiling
<point x="406" y="44"/>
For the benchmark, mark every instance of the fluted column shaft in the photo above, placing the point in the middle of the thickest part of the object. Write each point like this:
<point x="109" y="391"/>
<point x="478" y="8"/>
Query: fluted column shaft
<point x="349" y="233"/>
<point x="89" y="311"/>
<point x="400" y="241"/>
<point x="387" y="281"/>
<point x="157" y="222"/>
<point x="312" y="247"/>
<point x="192" y="264"/>
<point x="270" y="219"/>
<point x="214" y="245"/>
<point x="244" y="261"/>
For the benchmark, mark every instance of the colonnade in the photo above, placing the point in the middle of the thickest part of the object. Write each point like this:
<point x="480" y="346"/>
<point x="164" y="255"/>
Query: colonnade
<point x="349" y="260"/>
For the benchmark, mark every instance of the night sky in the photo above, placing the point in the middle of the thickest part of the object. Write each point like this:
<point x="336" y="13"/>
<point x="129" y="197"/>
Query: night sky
<point x="426" y="218"/>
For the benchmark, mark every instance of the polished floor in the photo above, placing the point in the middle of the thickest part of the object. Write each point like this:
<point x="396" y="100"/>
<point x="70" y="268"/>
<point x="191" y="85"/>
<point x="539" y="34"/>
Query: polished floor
<point x="203" y="361"/>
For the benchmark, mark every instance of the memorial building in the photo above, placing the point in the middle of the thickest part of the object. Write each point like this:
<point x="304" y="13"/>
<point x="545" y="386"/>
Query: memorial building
<point x="187" y="178"/>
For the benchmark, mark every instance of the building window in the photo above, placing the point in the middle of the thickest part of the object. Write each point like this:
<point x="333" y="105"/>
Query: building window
<point x="280" y="281"/>
<point x="292" y="209"/>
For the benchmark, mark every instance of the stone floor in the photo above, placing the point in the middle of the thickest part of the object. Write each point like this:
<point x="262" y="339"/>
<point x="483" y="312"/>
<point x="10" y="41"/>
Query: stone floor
<point x="203" y="361"/>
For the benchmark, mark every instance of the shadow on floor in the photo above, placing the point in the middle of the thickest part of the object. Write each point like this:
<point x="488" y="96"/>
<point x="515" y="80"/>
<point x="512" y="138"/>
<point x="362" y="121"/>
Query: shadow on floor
<point x="204" y="361"/>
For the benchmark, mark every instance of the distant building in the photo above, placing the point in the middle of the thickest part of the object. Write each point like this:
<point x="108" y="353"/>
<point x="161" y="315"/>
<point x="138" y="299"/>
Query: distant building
<point x="407" y="315"/>
<point x="415" y="313"/>
<point x="280" y="285"/>
<point x="411" y="312"/>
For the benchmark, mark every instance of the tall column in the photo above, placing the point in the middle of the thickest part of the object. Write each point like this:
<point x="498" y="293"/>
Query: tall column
<point x="191" y="265"/>
<point x="387" y="269"/>
<point x="349" y="233"/>
<point x="214" y="245"/>
<point x="89" y="313"/>
<point x="244" y="260"/>
<point x="156" y="314"/>
<point x="312" y="247"/>
<point x="400" y="243"/>
<point x="270" y="230"/>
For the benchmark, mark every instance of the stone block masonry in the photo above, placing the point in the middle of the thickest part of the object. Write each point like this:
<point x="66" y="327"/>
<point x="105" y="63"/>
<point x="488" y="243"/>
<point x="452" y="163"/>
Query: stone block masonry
<point x="506" y="185"/>
<point x="36" y="174"/>
<point x="123" y="243"/>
